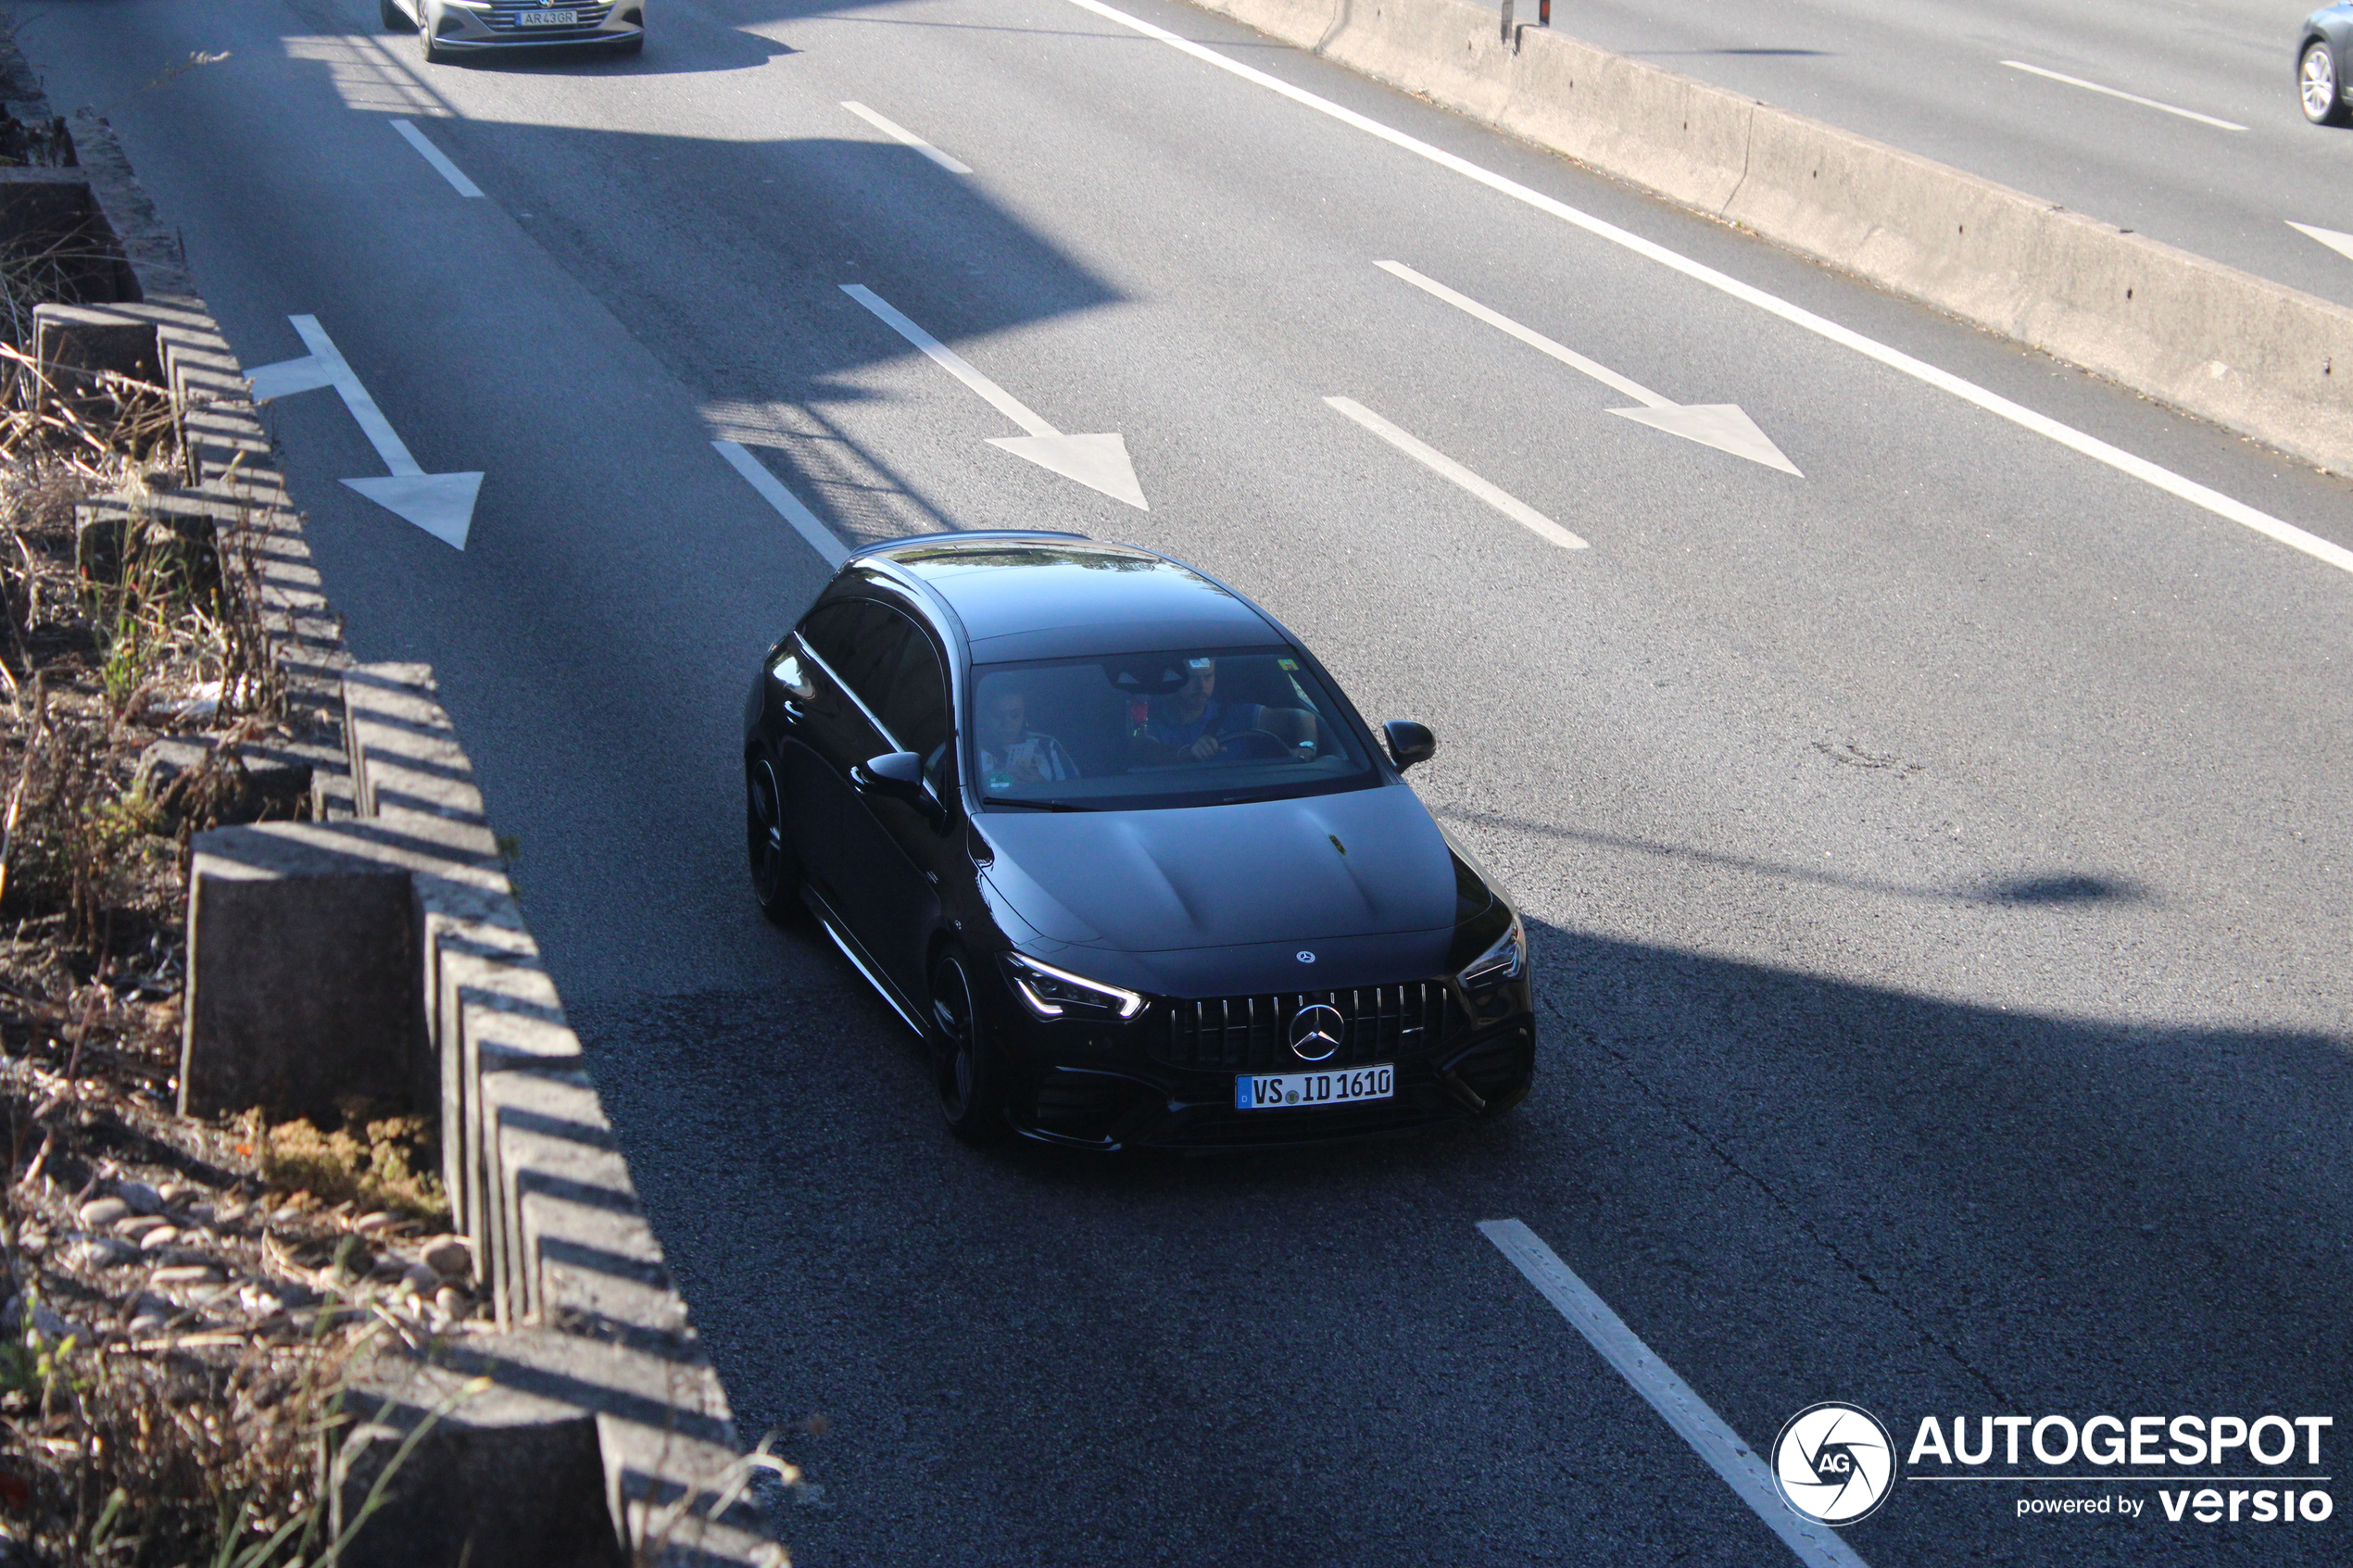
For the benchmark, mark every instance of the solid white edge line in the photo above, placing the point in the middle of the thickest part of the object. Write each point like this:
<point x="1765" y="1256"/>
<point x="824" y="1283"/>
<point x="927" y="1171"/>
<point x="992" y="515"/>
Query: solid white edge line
<point x="435" y="157"/>
<point x="821" y="538"/>
<point x="1668" y="1394"/>
<point x="1528" y="335"/>
<point x="1446" y="468"/>
<point x="2174" y="484"/>
<point x="2120" y="92"/>
<point x="899" y="132"/>
<point x="951" y="361"/>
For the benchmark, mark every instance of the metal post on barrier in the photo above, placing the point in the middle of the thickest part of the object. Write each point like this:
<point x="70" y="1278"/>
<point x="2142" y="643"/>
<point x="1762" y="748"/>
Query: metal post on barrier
<point x="1543" y="13"/>
<point x="1508" y="21"/>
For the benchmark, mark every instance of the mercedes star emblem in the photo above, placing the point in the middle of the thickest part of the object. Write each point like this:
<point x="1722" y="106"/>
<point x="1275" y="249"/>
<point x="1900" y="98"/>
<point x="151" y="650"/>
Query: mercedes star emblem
<point x="1316" y="1030"/>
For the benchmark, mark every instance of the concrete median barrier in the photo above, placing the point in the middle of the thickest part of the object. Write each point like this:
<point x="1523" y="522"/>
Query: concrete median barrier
<point x="2249" y="354"/>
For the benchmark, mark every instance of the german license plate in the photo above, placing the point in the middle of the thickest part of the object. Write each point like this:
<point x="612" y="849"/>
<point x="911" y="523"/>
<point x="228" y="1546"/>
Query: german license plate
<point x="1342" y="1086"/>
<point x="547" y="19"/>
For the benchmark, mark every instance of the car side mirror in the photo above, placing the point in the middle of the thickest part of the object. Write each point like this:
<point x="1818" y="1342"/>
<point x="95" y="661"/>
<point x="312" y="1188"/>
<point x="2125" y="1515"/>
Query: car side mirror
<point x="896" y="775"/>
<point x="1408" y="742"/>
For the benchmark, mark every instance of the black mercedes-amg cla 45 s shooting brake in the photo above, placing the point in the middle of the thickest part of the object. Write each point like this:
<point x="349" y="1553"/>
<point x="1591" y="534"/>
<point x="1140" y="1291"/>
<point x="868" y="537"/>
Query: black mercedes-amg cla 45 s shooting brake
<point x="1116" y="845"/>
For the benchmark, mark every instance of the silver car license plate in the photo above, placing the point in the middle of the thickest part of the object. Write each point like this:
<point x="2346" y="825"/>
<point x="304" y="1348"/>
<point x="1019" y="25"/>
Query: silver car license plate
<point x="547" y="19"/>
<point x="1341" y="1086"/>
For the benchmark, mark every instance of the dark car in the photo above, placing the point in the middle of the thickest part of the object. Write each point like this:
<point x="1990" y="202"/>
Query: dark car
<point x="1116" y="845"/>
<point x="2320" y="64"/>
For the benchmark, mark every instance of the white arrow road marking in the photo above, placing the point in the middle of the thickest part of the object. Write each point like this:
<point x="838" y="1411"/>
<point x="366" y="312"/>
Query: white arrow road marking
<point x="901" y="133"/>
<point x="441" y="504"/>
<point x="1721" y="425"/>
<point x="1099" y="462"/>
<point x="435" y="157"/>
<point x="773" y="491"/>
<point x="2128" y="97"/>
<point x="2341" y="244"/>
<point x="1437" y="462"/>
<point x="1816" y="1545"/>
<point x="2177" y="485"/>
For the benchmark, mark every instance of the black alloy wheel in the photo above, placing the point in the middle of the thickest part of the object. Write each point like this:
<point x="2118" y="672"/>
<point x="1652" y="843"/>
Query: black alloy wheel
<point x="972" y="1093"/>
<point x="775" y="870"/>
<point x="395" y="19"/>
<point x="2316" y="85"/>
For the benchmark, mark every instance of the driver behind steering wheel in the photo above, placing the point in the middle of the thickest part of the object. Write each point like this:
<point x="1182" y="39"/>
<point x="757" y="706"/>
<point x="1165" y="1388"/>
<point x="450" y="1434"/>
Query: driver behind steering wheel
<point x="1190" y="725"/>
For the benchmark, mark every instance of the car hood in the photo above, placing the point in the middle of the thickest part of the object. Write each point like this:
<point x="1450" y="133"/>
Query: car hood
<point x="1360" y="863"/>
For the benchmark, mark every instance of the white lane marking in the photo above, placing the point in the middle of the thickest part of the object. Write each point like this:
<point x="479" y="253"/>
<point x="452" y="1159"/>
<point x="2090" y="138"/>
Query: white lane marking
<point x="1437" y="462"/>
<point x="441" y="504"/>
<point x="1529" y="337"/>
<point x="1099" y="462"/>
<point x="2341" y="244"/>
<point x="435" y="157"/>
<point x="951" y="361"/>
<point x="1721" y="425"/>
<point x="899" y="132"/>
<point x="2128" y="97"/>
<point x="1656" y="1382"/>
<point x="1994" y="403"/>
<point x="771" y="490"/>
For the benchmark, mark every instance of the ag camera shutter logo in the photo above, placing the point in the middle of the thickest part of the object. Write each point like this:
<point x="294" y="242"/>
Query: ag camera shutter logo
<point x="1835" y="1463"/>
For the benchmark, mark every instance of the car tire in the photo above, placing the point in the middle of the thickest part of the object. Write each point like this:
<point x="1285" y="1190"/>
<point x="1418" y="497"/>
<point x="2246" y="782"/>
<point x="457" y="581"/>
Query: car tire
<point x="395" y="19"/>
<point x="776" y="869"/>
<point x="964" y="1070"/>
<point x="427" y="43"/>
<point x="2317" y="86"/>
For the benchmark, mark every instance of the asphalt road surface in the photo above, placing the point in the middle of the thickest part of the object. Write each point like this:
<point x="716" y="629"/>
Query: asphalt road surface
<point x="1935" y="857"/>
<point x="2177" y="118"/>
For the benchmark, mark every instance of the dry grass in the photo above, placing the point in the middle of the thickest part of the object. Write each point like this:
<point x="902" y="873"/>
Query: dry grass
<point x="147" y="1420"/>
<point x="386" y="1165"/>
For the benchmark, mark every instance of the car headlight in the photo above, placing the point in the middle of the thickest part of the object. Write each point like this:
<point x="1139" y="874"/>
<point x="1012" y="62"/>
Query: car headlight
<point x="1507" y="960"/>
<point x="1055" y="993"/>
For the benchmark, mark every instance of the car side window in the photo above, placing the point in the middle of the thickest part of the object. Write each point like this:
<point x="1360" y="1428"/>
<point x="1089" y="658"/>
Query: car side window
<point x="825" y="630"/>
<point x="862" y="642"/>
<point x="915" y="710"/>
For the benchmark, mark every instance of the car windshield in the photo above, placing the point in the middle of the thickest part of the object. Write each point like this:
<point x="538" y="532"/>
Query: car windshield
<point x="1137" y="731"/>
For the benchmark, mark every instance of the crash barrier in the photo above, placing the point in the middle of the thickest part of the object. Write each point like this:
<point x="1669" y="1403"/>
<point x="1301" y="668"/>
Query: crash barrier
<point x="2252" y="354"/>
<point x="377" y="949"/>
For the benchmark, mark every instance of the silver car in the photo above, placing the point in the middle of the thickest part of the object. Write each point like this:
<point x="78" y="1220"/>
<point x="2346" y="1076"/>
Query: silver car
<point x="448" y="28"/>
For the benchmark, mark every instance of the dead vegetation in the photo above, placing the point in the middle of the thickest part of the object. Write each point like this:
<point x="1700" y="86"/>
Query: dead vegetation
<point x="177" y="1298"/>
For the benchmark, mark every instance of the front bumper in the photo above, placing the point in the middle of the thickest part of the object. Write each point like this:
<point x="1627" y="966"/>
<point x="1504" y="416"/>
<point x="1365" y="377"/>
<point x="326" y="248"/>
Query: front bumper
<point x="1105" y="1088"/>
<point x="499" y="25"/>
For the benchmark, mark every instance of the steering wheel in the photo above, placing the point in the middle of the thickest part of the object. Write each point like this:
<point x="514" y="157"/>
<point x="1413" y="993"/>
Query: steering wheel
<point x="1283" y="746"/>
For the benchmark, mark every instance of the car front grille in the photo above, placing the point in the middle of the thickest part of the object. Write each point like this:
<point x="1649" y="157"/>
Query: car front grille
<point x="1252" y="1034"/>
<point x="508" y="18"/>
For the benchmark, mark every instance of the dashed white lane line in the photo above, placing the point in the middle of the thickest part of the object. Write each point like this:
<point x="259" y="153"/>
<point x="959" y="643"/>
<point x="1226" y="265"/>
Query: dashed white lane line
<point x="821" y="538"/>
<point x="1437" y="462"/>
<point x="2128" y="97"/>
<point x="899" y="132"/>
<point x="1994" y="403"/>
<point x="435" y="157"/>
<point x="1707" y="1432"/>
